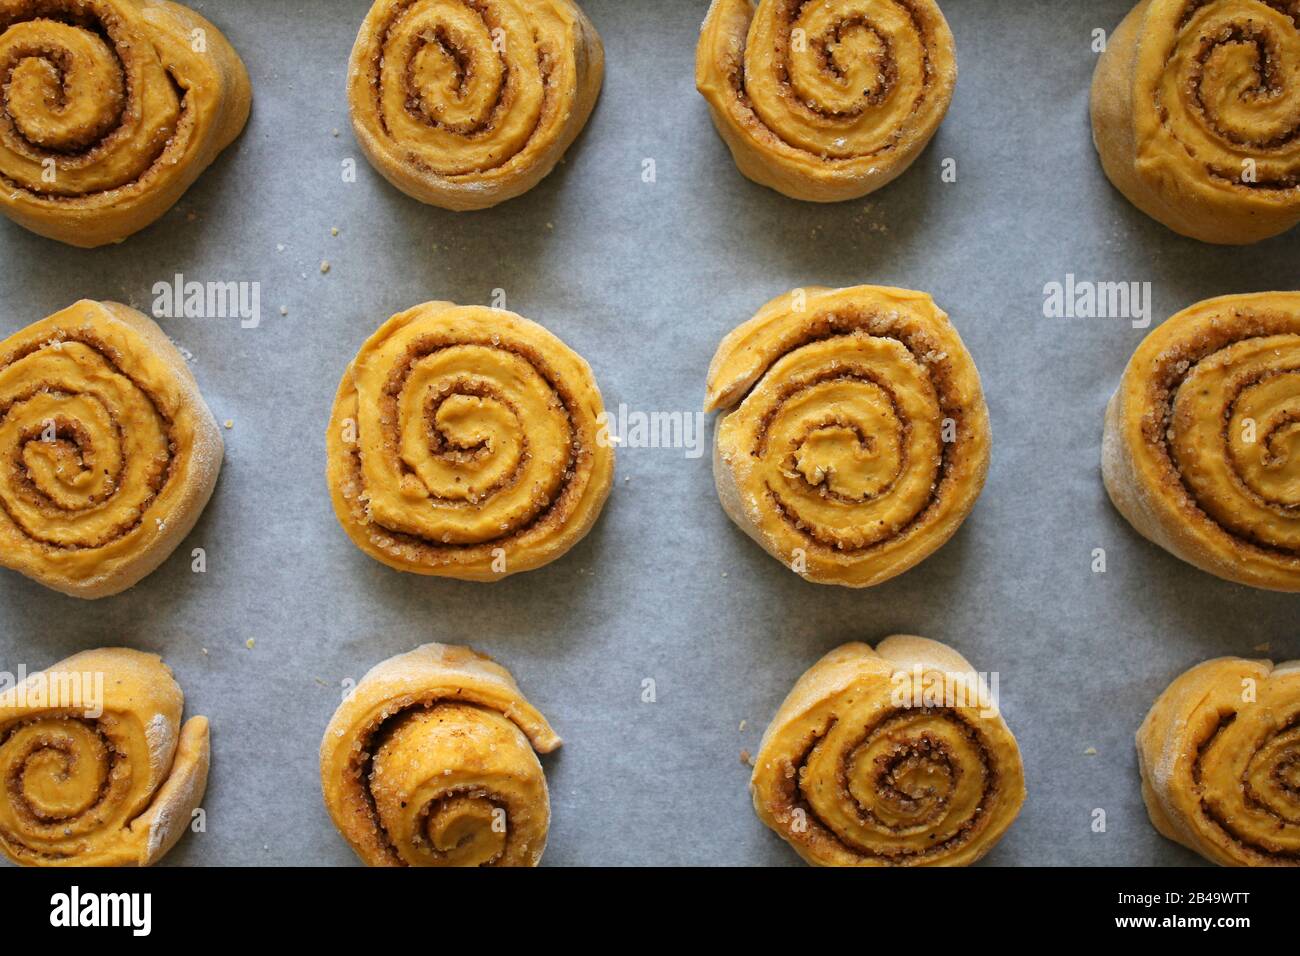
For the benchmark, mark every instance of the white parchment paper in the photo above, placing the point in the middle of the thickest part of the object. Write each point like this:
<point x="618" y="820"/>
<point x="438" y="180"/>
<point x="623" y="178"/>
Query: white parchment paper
<point x="644" y="279"/>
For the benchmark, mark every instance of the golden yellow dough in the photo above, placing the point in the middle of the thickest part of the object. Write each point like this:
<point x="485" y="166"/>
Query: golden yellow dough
<point x="825" y="100"/>
<point x="110" y="110"/>
<point x="465" y="105"/>
<point x="108" y="454"/>
<point x="1201" y="450"/>
<point x="98" y="777"/>
<point x="467" y="442"/>
<point x="1196" y="116"/>
<point x="896" y="756"/>
<point x="1219" y="755"/>
<point x="432" y="761"/>
<point x="854" y="438"/>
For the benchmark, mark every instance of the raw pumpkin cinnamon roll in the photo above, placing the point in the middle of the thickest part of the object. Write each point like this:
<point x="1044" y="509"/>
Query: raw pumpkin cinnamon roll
<point x="1201" y="451"/>
<point x="108" y="454"/>
<point x="467" y="442"/>
<point x="432" y="761"/>
<point x="825" y="100"/>
<point x="1196" y="116"/>
<point x="896" y="756"/>
<point x="110" y="109"/>
<point x="1220" y="760"/>
<point x="464" y="104"/>
<point x="96" y="768"/>
<point x="854" y="438"/>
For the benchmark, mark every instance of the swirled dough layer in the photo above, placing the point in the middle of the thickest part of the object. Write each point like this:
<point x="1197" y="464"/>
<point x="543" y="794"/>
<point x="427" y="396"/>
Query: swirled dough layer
<point x="1201" y="451"/>
<point x="1196" y="116"/>
<point x="1219" y="755"/>
<point x="825" y="100"/>
<point x="467" y="104"/>
<point x="855" y="438"/>
<point x="467" y="442"/>
<point x="96" y="768"/>
<point x="110" y="109"/>
<point x="108" y="453"/>
<point x="896" y="756"/>
<point x="432" y="761"/>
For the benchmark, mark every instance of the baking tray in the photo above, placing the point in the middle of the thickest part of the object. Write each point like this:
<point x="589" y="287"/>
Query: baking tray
<point x="644" y="279"/>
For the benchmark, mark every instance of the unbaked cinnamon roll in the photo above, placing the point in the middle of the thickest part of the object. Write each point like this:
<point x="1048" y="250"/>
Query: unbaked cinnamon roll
<point x="432" y="761"/>
<point x="1201" y="451"/>
<point x="467" y="442"/>
<point x="897" y="756"/>
<point x="1220" y="760"/>
<point x="108" y="454"/>
<point x="854" y="438"/>
<point x="109" y="110"/>
<point x="825" y="100"/>
<point x="467" y="104"/>
<point x="1196" y="115"/>
<point x="96" y="768"/>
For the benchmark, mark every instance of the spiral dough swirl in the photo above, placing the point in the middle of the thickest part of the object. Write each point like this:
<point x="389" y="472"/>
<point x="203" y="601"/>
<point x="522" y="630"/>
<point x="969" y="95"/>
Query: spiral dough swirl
<point x="432" y="761"/>
<point x="895" y="756"/>
<point x="107" y="452"/>
<point x="1220" y="760"/>
<point x="856" y="438"/>
<point x="109" y="110"/>
<point x="467" y="442"/>
<point x="1202" y="446"/>
<point x="95" y="766"/>
<point x="1196" y="113"/>
<point x="466" y="103"/>
<point x="825" y="100"/>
